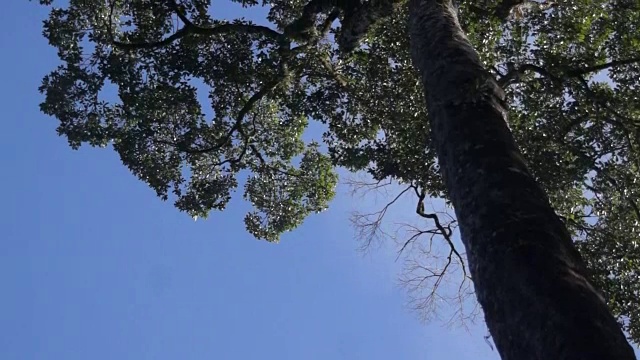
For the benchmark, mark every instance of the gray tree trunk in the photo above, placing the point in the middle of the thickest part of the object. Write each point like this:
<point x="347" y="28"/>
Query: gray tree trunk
<point x="532" y="284"/>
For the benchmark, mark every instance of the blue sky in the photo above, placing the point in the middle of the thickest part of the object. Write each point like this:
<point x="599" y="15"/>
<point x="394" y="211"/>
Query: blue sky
<point x="94" y="266"/>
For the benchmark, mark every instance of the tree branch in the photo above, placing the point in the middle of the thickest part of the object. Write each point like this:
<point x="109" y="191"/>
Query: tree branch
<point x="445" y="232"/>
<point x="237" y="126"/>
<point x="356" y="25"/>
<point x="369" y="225"/>
<point x="600" y="67"/>
<point x="190" y="28"/>
<point x="514" y="73"/>
<point x="326" y="26"/>
<point x="303" y="28"/>
<point x="593" y="97"/>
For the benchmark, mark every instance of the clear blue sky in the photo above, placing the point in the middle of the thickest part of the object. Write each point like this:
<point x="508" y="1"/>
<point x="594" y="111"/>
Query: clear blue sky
<point x="94" y="266"/>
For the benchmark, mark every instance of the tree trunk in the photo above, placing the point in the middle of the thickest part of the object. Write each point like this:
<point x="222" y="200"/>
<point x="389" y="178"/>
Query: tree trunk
<point x="530" y="280"/>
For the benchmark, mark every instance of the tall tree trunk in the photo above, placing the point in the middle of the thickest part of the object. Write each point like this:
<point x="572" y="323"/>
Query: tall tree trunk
<point x="532" y="284"/>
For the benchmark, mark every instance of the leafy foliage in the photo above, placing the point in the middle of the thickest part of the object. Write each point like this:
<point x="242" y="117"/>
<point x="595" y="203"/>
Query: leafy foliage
<point x="157" y="124"/>
<point x="570" y="69"/>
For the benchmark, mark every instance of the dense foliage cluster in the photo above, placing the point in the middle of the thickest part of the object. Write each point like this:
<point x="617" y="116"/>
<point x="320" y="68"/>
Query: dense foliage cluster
<point x="571" y="71"/>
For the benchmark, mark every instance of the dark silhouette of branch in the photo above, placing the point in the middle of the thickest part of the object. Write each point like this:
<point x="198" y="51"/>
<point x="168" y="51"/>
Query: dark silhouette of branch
<point x="425" y="267"/>
<point x="417" y="233"/>
<point x="358" y="17"/>
<point x="424" y="272"/>
<point x="445" y="232"/>
<point x="618" y="119"/>
<point x="357" y="22"/>
<point x="326" y="26"/>
<point x="591" y="95"/>
<point x="190" y="28"/>
<point x="514" y="73"/>
<point x="504" y="8"/>
<point x="600" y="67"/>
<point x="303" y="28"/>
<point x="237" y="126"/>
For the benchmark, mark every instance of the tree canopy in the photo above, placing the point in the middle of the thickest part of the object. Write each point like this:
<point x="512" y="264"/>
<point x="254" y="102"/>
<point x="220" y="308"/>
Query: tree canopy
<point x="570" y="70"/>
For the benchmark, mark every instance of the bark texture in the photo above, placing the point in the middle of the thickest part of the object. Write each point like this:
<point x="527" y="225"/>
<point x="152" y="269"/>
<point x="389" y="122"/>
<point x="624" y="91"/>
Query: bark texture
<point x="532" y="284"/>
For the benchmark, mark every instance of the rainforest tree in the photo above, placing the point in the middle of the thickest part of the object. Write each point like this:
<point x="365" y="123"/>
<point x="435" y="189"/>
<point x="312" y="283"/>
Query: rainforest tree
<point x="559" y="79"/>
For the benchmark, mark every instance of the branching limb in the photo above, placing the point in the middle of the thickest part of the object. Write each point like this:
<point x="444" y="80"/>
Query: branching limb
<point x="600" y="67"/>
<point x="355" y="25"/>
<point x="237" y="126"/>
<point x="365" y="187"/>
<point x="429" y="264"/>
<point x="425" y="271"/>
<point x="303" y="28"/>
<point x="326" y="25"/>
<point x="445" y="232"/>
<point x="190" y="28"/>
<point x="514" y="73"/>
<point x="619" y="120"/>
<point x="369" y="225"/>
<point x="591" y="95"/>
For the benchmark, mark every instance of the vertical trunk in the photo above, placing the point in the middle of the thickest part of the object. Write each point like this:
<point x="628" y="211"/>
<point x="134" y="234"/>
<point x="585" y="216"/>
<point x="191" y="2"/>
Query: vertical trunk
<point x="531" y="283"/>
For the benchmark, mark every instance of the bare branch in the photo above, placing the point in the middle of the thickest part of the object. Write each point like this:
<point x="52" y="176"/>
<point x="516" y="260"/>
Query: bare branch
<point x="364" y="187"/>
<point x="423" y="284"/>
<point x="428" y="263"/>
<point x="369" y="225"/>
<point x="445" y="232"/>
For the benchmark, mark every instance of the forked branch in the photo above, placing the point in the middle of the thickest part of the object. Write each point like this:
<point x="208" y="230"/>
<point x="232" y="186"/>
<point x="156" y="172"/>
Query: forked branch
<point x="190" y="28"/>
<point x="446" y="232"/>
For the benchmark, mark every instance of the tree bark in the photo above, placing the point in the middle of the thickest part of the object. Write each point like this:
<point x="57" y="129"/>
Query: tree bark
<point x="530" y="281"/>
